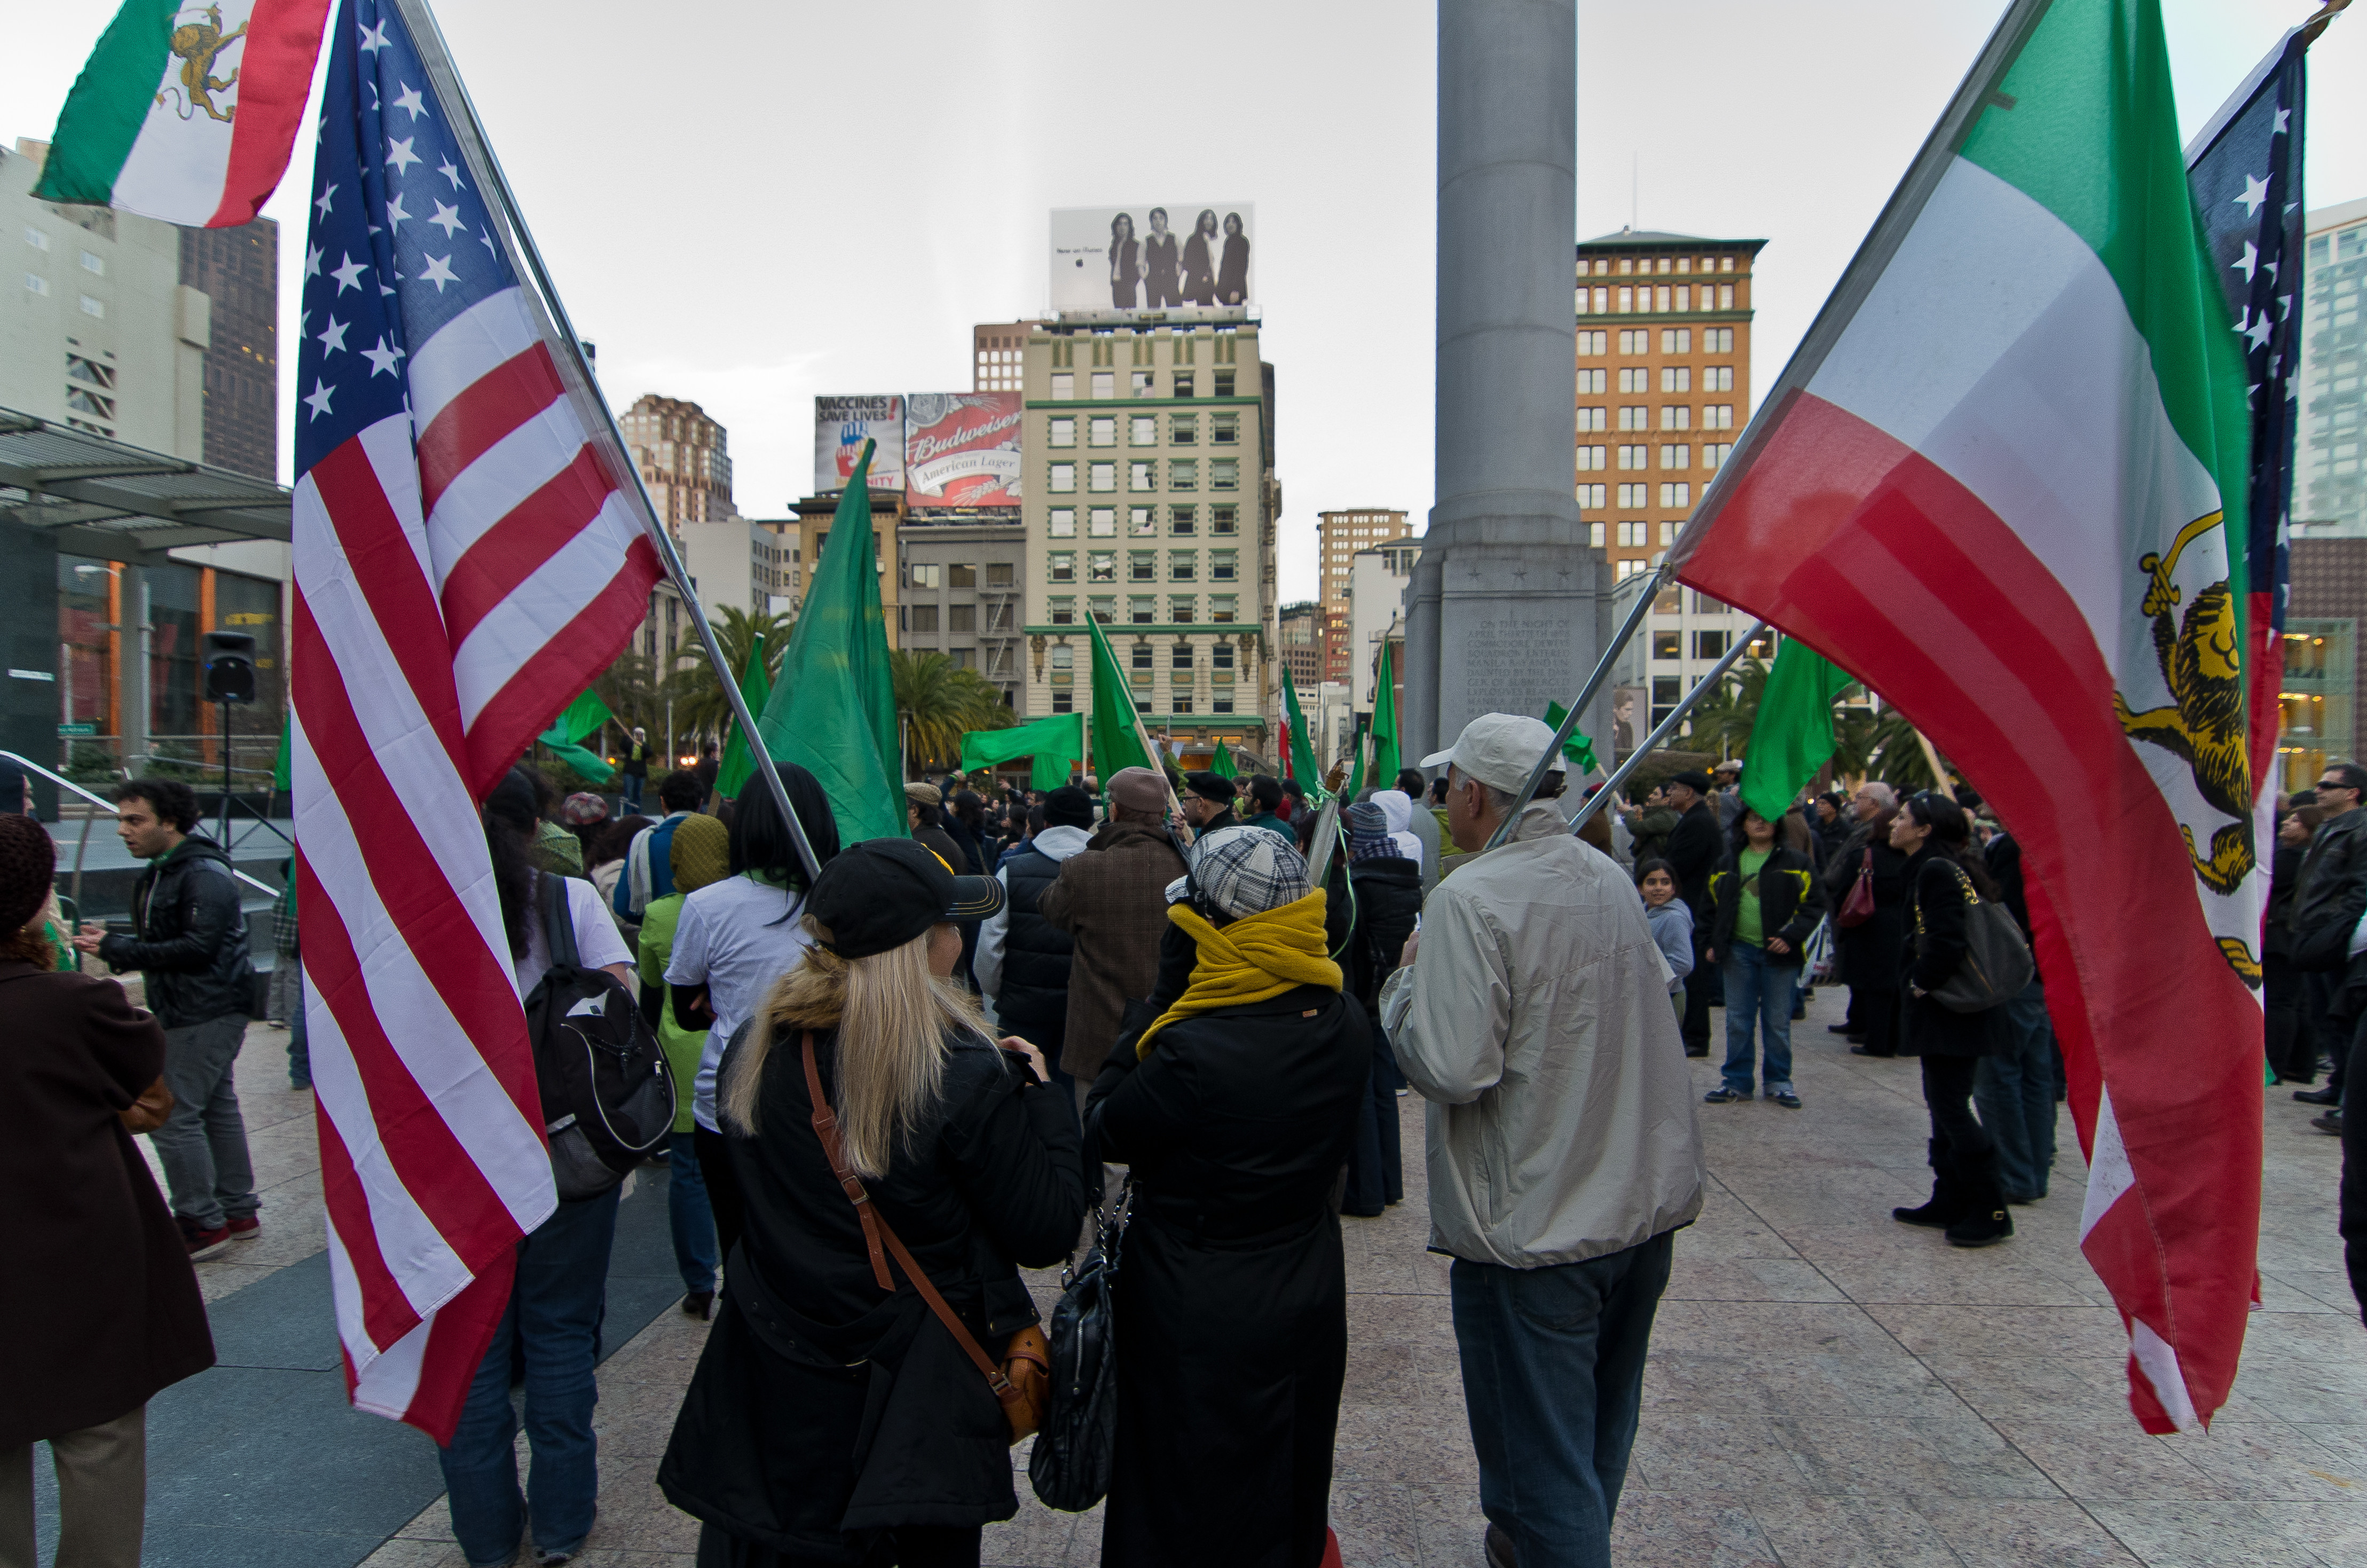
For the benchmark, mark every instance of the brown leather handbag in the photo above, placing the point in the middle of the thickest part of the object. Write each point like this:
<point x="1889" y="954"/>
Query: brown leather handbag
<point x="147" y="1113"/>
<point x="1023" y="1384"/>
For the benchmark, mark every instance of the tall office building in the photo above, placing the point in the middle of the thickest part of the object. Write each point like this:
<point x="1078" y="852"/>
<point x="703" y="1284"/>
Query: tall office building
<point x="238" y="269"/>
<point x="2329" y="485"/>
<point x="998" y="351"/>
<point x="1341" y="535"/>
<point x="1150" y="504"/>
<point x="684" y="457"/>
<point x="1302" y="645"/>
<point x="1663" y="386"/>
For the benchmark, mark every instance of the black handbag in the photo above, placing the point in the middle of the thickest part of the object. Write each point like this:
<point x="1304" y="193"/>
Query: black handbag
<point x="1069" y="1468"/>
<point x="1996" y="962"/>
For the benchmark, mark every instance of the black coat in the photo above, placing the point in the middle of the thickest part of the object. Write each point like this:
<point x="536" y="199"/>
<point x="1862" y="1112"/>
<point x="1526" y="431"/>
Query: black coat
<point x="1387" y="902"/>
<point x="1695" y="845"/>
<point x="1936" y="913"/>
<point x="1872" y="951"/>
<point x="1791" y="902"/>
<point x="824" y="1412"/>
<point x="1036" y="955"/>
<point x="1232" y="1294"/>
<point x="191" y="944"/>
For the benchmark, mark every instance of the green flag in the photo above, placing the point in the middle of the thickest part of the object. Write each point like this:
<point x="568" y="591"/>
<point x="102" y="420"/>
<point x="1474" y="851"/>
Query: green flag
<point x="1052" y="744"/>
<point x="1578" y="747"/>
<point x="1300" y="764"/>
<point x="835" y="710"/>
<point x="579" y="718"/>
<point x="1116" y="744"/>
<point x="1221" y="764"/>
<point x="1385" y="761"/>
<point x="739" y="761"/>
<point x="280" y="778"/>
<point x="1792" y="733"/>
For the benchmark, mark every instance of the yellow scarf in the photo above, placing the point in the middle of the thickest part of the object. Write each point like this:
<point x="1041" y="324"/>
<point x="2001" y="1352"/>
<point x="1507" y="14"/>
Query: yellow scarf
<point x="1255" y="958"/>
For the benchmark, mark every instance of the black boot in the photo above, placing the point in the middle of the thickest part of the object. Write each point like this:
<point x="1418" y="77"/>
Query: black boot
<point x="1983" y="1221"/>
<point x="1947" y="1202"/>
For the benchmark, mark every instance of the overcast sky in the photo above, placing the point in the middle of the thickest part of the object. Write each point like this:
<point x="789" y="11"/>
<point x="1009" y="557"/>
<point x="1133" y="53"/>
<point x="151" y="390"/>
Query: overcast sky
<point x="747" y="204"/>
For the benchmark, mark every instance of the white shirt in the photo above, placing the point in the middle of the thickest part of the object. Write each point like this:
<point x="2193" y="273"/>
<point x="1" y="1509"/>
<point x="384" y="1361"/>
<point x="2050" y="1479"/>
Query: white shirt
<point x="732" y="939"/>
<point x="1059" y="844"/>
<point x="597" y="945"/>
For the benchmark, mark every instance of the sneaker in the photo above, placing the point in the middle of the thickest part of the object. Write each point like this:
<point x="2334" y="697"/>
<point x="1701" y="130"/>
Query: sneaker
<point x="1785" y="1099"/>
<point x="201" y="1241"/>
<point x="1722" y="1095"/>
<point x="243" y="1228"/>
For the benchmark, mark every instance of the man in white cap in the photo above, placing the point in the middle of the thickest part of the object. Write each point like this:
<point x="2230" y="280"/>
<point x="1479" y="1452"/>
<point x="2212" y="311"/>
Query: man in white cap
<point x="1532" y="1013"/>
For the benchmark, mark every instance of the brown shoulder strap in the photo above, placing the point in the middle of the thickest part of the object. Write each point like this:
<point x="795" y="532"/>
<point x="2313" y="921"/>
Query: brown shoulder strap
<point x="875" y="1230"/>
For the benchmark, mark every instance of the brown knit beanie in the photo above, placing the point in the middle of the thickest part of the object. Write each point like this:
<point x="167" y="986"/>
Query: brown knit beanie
<point x="29" y="866"/>
<point x="701" y="852"/>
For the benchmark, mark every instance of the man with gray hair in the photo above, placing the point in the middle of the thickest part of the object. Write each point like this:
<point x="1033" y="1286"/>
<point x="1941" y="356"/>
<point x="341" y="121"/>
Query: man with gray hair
<point x="1532" y="1013"/>
<point x="1871" y="800"/>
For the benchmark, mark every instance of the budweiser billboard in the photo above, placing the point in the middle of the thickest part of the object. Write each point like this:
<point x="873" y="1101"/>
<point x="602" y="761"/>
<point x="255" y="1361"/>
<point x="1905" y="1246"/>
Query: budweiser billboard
<point x="841" y="426"/>
<point x="962" y="449"/>
<point x="1188" y="259"/>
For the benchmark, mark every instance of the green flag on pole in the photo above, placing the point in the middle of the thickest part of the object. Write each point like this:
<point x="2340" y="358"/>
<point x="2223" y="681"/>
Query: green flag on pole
<point x="1300" y="763"/>
<point x="739" y="758"/>
<point x="835" y="710"/>
<point x="1221" y="764"/>
<point x="1051" y="745"/>
<point x="1792" y="733"/>
<point x="1385" y="761"/>
<point x="1117" y="742"/>
<point x="565" y="736"/>
<point x="281" y="777"/>
<point x="1578" y="747"/>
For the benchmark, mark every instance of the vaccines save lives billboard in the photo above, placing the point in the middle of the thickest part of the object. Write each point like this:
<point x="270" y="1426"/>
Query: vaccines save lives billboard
<point x="943" y="449"/>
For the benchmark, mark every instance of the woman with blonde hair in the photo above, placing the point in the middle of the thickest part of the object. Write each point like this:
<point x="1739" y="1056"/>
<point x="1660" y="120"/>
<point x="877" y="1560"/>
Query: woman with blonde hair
<point x="833" y="1418"/>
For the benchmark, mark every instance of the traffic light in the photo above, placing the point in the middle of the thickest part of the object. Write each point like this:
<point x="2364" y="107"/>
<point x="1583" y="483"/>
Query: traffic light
<point x="229" y="667"/>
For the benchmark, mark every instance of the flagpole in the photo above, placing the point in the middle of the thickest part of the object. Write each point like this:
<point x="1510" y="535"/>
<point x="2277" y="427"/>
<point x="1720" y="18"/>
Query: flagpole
<point x="1619" y="642"/>
<point x="1660" y="732"/>
<point x="436" y="58"/>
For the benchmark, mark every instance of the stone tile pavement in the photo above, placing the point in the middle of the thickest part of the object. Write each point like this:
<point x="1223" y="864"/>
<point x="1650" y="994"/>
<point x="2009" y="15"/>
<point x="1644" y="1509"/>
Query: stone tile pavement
<point x="1827" y="1387"/>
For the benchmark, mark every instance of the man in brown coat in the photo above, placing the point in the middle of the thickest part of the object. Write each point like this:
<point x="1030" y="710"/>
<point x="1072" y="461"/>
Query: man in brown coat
<point x="1112" y="901"/>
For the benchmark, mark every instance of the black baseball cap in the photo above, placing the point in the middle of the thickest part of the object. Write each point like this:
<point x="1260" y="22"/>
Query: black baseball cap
<point x="880" y="894"/>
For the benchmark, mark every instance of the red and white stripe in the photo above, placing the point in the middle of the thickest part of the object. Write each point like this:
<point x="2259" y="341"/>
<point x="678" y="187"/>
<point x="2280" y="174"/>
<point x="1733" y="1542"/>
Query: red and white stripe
<point x="460" y="574"/>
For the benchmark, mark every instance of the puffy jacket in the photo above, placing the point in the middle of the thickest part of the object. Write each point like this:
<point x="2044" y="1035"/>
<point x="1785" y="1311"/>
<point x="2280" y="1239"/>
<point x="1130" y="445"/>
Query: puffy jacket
<point x="1034" y="999"/>
<point x="191" y="937"/>
<point x="1536" y="1021"/>
<point x="1387" y="902"/>
<point x="1791" y="902"/>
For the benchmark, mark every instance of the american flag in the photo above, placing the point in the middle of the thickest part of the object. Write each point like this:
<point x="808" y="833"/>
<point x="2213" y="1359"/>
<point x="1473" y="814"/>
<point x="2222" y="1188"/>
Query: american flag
<point x="466" y="562"/>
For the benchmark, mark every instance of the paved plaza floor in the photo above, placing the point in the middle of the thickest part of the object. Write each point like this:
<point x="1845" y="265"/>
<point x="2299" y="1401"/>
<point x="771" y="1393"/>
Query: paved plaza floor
<point x="1827" y="1387"/>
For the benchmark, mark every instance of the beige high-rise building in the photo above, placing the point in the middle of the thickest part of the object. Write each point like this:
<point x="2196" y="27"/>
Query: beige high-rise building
<point x="998" y="354"/>
<point x="1151" y="504"/>
<point x="1339" y="535"/>
<point x="684" y="459"/>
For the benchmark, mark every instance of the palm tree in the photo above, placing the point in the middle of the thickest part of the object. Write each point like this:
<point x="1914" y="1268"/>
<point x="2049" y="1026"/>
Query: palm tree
<point x="1895" y="756"/>
<point x="938" y="701"/>
<point x="699" y="706"/>
<point x="635" y="688"/>
<point x="1721" y="722"/>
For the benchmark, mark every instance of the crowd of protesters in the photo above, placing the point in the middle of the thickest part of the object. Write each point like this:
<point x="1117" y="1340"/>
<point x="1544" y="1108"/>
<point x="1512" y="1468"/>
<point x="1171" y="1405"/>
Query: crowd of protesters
<point x="957" y="1039"/>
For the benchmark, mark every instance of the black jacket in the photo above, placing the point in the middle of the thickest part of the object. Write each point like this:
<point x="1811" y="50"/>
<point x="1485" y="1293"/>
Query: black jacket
<point x="1387" y="902"/>
<point x="191" y="941"/>
<point x="2333" y="891"/>
<point x="1936" y="909"/>
<point x="1695" y="845"/>
<point x="1036" y="956"/>
<point x="1791" y="902"/>
<point x="825" y="1411"/>
<point x="1870" y="950"/>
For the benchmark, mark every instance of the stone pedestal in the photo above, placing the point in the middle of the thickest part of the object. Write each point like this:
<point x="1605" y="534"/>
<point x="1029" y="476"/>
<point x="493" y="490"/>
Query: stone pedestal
<point x="1505" y="611"/>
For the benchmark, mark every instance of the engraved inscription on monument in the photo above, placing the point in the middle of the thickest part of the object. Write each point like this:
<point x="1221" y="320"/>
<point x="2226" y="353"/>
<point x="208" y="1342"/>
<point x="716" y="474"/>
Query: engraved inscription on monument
<point x="1516" y="664"/>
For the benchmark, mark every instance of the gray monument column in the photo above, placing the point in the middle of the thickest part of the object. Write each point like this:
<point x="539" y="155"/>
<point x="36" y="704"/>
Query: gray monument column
<point x="1502" y="614"/>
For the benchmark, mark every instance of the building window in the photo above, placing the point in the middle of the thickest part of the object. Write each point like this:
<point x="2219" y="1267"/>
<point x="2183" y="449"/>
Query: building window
<point x="1138" y="383"/>
<point x="1709" y="645"/>
<point x="1185" y="384"/>
<point x="1221" y="609"/>
<point x="1143" y="476"/>
<point x="1141" y="611"/>
<point x="1182" y="608"/>
<point x="1590" y="458"/>
<point x="1220" y="519"/>
<point x="1636" y="380"/>
<point x="1677" y="456"/>
<point x="1225" y="429"/>
<point x="1676" y="378"/>
<point x="1182" y="566"/>
<point x="1684" y="291"/>
<point x="1062" y="431"/>
<point x="36" y="284"/>
<point x="1064" y="665"/>
<point x="1635" y="457"/>
<point x="1064" y="386"/>
<point x="1222" y="565"/>
<point x="1636" y="418"/>
<point x="1183" y="473"/>
<point x="1590" y="345"/>
<point x="1180" y="521"/>
<point x="91" y="307"/>
<point x="95" y="266"/>
<point x="1669" y="530"/>
<point x="1224" y="383"/>
<point x="1635" y="498"/>
<point x="1636" y="341"/>
<point x="1626" y="298"/>
<point x="36" y="239"/>
<point x="961" y="576"/>
<point x="1590" y="497"/>
<point x="1101" y="431"/>
<point x="1183" y="430"/>
<point x="1634" y="535"/>
<point x="924" y="617"/>
<point x="1064" y="566"/>
<point x="1717" y="377"/>
<point x="1592" y="383"/>
<point x="1726" y="296"/>
<point x="1715" y="453"/>
<point x="1101" y="522"/>
<point x="1141" y="566"/>
<point x="1142" y="522"/>
<point x="1139" y="661"/>
<point x="1676" y="416"/>
<point x="1101" y="566"/>
<point x="1717" y="340"/>
<point x="1104" y="386"/>
<point x="927" y="574"/>
<point x="1064" y="610"/>
<point x="1676" y="497"/>
<point x="1064" y="479"/>
<point x="1179" y="656"/>
<point x="1102" y="478"/>
<point x="1063" y="520"/>
<point x="1590" y="420"/>
<point x="999" y="574"/>
<point x="1102" y="607"/>
<point x="1717" y="416"/>
<point x="1676" y="340"/>
<point x="1594" y="535"/>
<point x="1224" y="473"/>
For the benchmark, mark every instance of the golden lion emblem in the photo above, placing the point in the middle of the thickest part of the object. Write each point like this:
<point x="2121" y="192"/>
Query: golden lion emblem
<point x="199" y="44"/>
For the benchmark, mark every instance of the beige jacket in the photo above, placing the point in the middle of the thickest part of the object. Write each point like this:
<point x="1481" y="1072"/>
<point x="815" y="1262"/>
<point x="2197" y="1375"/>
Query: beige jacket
<point x="1535" y="1022"/>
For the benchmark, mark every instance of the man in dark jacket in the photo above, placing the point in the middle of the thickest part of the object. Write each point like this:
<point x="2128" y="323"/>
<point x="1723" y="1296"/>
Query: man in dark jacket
<point x="1266" y="794"/>
<point x="190" y="942"/>
<point x="1694" y="849"/>
<point x="2325" y="911"/>
<point x="1385" y="896"/>
<point x="635" y="771"/>
<point x="1112" y="901"/>
<point x="1022" y="960"/>
<point x="2015" y="1091"/>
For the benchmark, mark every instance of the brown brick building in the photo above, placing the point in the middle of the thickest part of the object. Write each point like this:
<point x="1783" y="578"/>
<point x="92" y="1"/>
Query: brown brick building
<point x="2325" y="663"/>
<point x="1341" y="535"/>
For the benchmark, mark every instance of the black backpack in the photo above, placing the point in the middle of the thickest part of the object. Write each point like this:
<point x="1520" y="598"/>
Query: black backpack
<point x="607" y="1099"/>
<point x="1069" y="1466"/>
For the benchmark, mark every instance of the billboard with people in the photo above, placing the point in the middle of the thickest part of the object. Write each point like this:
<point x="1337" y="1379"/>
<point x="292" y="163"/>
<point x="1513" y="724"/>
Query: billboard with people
<point x="1182" y="256"/>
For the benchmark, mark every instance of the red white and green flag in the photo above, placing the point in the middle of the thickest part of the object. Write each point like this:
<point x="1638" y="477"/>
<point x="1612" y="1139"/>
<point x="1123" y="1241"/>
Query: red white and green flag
<point x="186" y="112"/>
<point x="2003" y="481"/>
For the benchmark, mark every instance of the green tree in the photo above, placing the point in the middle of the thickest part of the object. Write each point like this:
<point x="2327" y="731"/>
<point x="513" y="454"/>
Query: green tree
<point x="699" y="705"/>
<point x="1720" y="723"/>
<point x="938" y="700"/>
<point x="635" y="688"/>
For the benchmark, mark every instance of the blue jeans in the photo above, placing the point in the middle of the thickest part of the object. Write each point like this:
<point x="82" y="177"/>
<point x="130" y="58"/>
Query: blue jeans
<point x="554" y="1315"/>
<point x="1553" y="1382"/>
<point x="689" y="1214"/>
<point x="2015" y="1093"/>
<point x="630" y="792"/>
<point x="1758" y="989"/>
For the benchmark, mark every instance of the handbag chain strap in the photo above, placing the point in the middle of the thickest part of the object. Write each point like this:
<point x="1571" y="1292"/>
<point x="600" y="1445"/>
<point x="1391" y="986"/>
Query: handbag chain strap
<point x="875" y="1231"/>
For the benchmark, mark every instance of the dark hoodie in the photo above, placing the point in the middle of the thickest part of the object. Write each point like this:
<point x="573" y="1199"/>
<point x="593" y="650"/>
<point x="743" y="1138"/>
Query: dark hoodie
<point x="191" y="937"/>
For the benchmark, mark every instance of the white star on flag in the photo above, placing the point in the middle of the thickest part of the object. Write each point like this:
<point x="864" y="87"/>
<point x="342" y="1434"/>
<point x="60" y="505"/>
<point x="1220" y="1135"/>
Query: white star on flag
<point x="323" y="202"/>
<point x="2256" y="191"/>
<point x="312" y="261"/>
<point x="374" y="39"/>
<point x="318" y="399"/>
<point x="2248" y="261"/>
<point x="395" y="215"/>
<point x="334" y="338"/>
<point x="439" y="273"/>
<point x="487" y="241"/>
<point x="447" y="219"/>
<point x="409" y="99"/>
<point x="450" y="171"/>
<point x="348" y="276"/>
<point x="381" y="358"/>
<point x="2259" y="330"/>
<point x="2279" y="129"/>
<point x="398" y="156"/>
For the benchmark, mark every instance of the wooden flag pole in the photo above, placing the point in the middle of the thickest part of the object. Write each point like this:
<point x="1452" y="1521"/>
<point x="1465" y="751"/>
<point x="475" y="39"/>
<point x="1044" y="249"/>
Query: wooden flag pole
<point x="1938" y="774"/>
